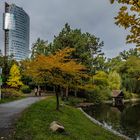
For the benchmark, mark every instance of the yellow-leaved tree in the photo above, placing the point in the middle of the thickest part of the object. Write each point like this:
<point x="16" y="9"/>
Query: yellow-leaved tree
<point x="14" y="79"/>
<point x="56" y="69"/>
<point x="129" y="18"/>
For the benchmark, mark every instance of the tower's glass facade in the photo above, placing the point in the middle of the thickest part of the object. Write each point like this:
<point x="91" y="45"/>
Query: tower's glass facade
<point x="16" y="28"/>
<point x="1" y="27"/>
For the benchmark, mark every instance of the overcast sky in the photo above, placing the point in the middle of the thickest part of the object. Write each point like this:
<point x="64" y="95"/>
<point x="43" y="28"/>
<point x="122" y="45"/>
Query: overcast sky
<point x="47" y="18"/>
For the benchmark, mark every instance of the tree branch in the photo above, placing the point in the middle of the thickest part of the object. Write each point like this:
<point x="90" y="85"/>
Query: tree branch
<point x="136" y="2"/>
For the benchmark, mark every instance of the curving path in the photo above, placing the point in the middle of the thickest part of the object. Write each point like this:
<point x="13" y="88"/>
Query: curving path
<point x="9" y="113"/>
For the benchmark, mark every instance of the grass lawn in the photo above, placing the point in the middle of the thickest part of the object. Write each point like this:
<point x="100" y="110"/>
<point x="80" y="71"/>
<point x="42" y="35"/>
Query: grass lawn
<point x="35" y="121"/>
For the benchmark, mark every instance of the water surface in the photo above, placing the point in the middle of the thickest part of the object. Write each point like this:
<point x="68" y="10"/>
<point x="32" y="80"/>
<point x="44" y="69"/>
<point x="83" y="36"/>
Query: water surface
<point x="125" y="119"/>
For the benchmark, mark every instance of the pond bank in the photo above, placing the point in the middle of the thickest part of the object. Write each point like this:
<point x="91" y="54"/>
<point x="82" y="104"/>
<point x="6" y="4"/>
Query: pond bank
<point x="123" y="119"/>
<point x="125" y="101"/>
<point x="105" y="127"/>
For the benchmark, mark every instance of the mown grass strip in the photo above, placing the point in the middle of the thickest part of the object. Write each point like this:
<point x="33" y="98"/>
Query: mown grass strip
<point x="35" y="121"/>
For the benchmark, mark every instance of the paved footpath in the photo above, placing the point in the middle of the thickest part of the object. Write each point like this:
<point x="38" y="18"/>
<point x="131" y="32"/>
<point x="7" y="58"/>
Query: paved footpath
<point x="9" y="113"/>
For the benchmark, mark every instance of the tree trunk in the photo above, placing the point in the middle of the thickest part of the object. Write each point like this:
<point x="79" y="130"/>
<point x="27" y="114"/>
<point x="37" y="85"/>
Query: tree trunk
<point x="62" y="93"/>
<point x="57" y="101"/>
<point x="67" y="93"/>
<point x="75" y="93"/>
<point x="54" y="89"/>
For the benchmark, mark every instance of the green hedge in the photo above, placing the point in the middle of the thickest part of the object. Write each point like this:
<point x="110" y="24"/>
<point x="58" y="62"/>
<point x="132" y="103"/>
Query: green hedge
<point x="25" y="89"/>
<point x="98" y="95"/>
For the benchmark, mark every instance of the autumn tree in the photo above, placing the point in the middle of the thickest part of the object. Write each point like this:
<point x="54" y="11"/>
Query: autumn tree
<point x="14" y="80"/>
<point x="55" y="69"/>
<point x="129" y="18"/>
<point x="6" y="63"/>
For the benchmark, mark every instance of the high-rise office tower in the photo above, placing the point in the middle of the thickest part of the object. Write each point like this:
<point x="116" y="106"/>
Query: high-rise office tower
<point x="16" y="31"/>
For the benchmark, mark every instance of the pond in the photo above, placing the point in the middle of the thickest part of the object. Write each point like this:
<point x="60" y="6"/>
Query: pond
<point x="125" y="119"/>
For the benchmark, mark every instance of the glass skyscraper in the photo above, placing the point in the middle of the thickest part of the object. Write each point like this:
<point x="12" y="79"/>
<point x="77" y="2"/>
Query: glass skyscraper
<point x="16" y="31"/>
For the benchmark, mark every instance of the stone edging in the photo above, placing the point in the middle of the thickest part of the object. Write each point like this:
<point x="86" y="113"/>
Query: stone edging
<point x="100" y="124"/>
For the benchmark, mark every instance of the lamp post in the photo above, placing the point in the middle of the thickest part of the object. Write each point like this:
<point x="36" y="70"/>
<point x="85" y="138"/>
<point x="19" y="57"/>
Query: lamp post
<point x="0" y="81"/>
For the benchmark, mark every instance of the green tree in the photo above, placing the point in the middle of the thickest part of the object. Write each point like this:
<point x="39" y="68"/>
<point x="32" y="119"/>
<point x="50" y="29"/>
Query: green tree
<point x="39" y="47"/>
<point x="101" y="79"/>
<point x="14" y="80"/>
<point x="132" y="52"/>
<point x="130" y="73"/>
<point x="114" y="63"/>
<point x="86" y="46"/>
<point x="100" y="64"/>
<point x="129" y="18"/>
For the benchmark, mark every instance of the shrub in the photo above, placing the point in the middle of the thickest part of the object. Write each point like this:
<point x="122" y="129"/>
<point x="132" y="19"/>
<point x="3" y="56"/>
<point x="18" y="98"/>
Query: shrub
<point x="73" y="101"/>
<point x="106" y="94"/>
<point x="25" y="89"/>
<point x="127" y="95"/>
<point x="94" y="96"/>
<point x="97" y="95"/>
<point x="11" y="93"/>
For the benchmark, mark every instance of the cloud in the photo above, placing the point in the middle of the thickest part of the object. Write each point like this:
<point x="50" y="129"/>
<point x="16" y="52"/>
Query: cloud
<point x="96" y="17"/>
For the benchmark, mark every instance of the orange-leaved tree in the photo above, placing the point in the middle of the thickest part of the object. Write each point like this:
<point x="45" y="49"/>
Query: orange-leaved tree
<point x="56" y="69"/>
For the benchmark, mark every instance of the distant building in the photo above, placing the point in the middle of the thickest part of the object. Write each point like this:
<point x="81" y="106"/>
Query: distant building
<point x="16" y="26"/>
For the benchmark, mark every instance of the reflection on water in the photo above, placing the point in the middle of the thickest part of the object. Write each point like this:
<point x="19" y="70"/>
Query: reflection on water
<point x="125" y="119"/>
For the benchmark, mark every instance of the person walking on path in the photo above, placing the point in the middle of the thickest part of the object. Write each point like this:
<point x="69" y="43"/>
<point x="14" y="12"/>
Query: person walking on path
<point x="35" y="91"/>
<point x="39" y="91"/>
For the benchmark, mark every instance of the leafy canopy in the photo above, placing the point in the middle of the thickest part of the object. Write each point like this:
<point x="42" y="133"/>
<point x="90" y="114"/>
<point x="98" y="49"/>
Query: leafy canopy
<point x="86" y="45"/>
<point x="129" y="18"/>
<point x="114" y="80"/>
<point x="39" y="47"/>
<point x="101" y="79"/>
<point x="55" y="69"/>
